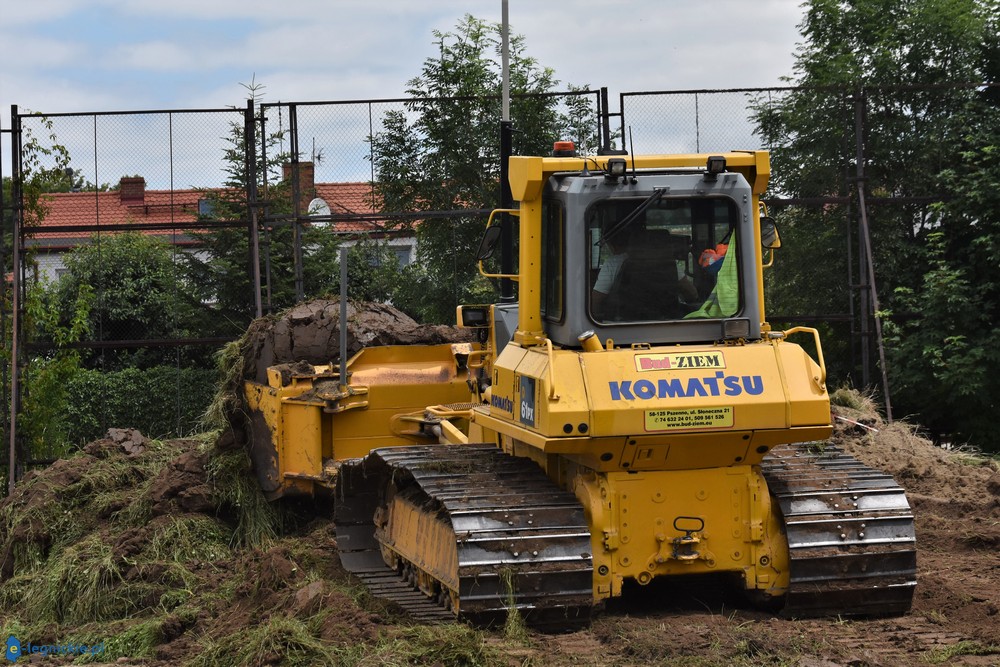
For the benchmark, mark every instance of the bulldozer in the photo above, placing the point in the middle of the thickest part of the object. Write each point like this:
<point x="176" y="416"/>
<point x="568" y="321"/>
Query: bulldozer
<point x="630" y="417"/>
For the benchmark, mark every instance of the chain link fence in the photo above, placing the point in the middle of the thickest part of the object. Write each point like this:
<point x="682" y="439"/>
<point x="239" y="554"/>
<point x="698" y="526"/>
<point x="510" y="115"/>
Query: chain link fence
<point x="108" y="206"/>
<point x="92" y="195"/>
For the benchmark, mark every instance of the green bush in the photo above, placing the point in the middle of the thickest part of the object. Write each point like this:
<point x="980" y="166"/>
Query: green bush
<point x="162" y="401"/>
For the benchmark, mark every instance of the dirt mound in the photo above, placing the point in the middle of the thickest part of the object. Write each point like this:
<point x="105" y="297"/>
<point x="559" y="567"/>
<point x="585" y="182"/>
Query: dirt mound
<point x="166" y="552"/>
<point x="310" y="332"/>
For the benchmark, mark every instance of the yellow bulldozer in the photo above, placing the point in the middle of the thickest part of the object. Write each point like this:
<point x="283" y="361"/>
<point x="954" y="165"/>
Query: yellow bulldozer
<point x="632" y="416"/>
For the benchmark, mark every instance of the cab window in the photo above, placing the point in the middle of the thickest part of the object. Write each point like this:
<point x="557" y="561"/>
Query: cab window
<point x="674" y="260"/>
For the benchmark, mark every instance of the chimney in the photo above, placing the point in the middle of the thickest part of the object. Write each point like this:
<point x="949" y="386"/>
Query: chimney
<point x="132" y="190"/>
<point x="306" y="179"/>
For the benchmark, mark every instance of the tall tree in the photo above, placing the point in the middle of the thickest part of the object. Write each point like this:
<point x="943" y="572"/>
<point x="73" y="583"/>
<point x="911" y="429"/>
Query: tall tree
<point x="139" y="293"/>
<point x="442" y="154"/>
<point x="887" y="75"/>
<point x="945" y="365"/>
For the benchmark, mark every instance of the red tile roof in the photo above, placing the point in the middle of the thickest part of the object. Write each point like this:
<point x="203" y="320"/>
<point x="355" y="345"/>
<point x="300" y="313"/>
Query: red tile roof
<point x="351" y="199"/>
<point x="157" y="210"/>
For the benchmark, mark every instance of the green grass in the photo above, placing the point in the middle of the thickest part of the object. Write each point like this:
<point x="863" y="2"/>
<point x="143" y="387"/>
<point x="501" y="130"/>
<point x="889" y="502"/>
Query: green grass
<point x="82" y="583"/>
<point x="452" y="644"/>
<point x="188" y="537"/>
<point x="282" y="641"/>
<point x="974" y="458"/>
<point x="235" y="363"/>
<point x="137" y="641"/>
<point x="231" y="362"/>
<point x="257" y="522"/>
<point x="943" y="654"/>
<point x="848" y="397"/>
<point x="65" y="569"/>
<point x="514" y="627"/>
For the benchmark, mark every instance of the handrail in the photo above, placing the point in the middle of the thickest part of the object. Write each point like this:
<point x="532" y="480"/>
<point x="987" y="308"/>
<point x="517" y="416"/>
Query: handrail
<point x="553" y="396"/>
<point x="821" y="380"/>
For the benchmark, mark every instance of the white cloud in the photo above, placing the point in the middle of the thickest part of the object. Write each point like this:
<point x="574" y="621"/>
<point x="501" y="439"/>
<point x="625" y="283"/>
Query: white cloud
<point x="23" y="13"/>
<point x="57" y="93"/>
<point x="322" y="50"/>
<point x="296" y="10"/>
<point x="32" y="52"/>
<point x="156" y="56"/>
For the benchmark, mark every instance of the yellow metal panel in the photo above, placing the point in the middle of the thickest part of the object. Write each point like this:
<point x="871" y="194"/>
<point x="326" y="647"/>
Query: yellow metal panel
<point x="684" y="408"/>
<point x="526" y="177"/>
<point x="810" y="403"/>
<point x="504" y="390"/>
<point x="692" y="450"/>
<point x="421" y="538"/>
<point x="654" y="524"/>
<point x="301" y="444"/>
<point x="743" y="383"/>
<point x="529" y="290"/>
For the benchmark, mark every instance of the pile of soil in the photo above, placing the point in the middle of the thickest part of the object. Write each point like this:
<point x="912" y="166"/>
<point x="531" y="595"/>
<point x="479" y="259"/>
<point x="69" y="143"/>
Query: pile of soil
<point x="310" y="333"/>
<point x="167" y="553"/>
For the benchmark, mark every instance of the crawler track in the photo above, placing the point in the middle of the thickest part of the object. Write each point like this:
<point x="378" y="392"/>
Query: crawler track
<point x="850" y="533"/>
<point x="518" y="538"/>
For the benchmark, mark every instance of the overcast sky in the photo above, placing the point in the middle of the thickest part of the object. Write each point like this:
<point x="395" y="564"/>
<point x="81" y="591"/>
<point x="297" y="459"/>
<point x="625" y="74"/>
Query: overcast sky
<point x="98" y="55"/>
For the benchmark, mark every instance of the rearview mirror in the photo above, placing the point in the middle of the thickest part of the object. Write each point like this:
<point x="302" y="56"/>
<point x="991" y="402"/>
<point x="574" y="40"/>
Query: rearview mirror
<point x="769" y="233"/>
<point x="489" y="243"/>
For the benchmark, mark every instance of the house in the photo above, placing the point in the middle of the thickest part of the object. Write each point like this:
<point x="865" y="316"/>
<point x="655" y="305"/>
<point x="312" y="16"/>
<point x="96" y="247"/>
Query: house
<point x="73" y="218"/>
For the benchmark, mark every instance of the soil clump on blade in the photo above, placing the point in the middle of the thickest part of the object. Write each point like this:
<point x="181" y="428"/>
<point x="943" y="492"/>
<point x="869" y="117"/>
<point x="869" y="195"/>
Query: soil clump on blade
<point x="310" y="333"/>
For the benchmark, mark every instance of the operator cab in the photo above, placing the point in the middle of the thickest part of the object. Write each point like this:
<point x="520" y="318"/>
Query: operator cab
<point x="653" y="256"/>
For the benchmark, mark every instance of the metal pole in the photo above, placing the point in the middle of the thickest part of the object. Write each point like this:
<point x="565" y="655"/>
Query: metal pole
<point x="506" y="150"/>
<point x="507" y="225"/>
<point x="15" y="389"/>
<point x="293" y="127"/>
<point x="343" y="316"/>
<point x="875" y="306"/>
<point x="854" y="336"/>
<point x="505" y="61"/>
<point x="3" y="289"/>
<point x="605" y="126"/>
<point x="269" y="306"/>
<point x="250" y="141"/>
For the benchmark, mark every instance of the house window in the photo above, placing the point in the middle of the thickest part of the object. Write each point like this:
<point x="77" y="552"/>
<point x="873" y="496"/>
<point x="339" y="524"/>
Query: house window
<point x="206" y="208"/>
<point x="402" y="254"/>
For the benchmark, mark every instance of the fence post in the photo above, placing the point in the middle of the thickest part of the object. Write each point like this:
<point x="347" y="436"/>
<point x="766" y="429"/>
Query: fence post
<point x="293" y="131"/>
<point x="18" y="210"/>
<point x="4" y="371"/>
<point x="250" y="141"/>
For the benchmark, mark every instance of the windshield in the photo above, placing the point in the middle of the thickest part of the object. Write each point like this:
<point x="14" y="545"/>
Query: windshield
<point x="674" y="260"/>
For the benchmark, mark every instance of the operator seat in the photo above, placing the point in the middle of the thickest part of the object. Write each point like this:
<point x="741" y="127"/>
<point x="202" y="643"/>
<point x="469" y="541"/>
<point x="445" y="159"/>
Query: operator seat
<point x="646" y="286"/>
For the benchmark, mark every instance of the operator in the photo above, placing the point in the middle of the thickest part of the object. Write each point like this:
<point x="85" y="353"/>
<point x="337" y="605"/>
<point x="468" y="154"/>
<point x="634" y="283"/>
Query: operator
<point x="609" y="273"/>
<point x="685" y="286"/>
